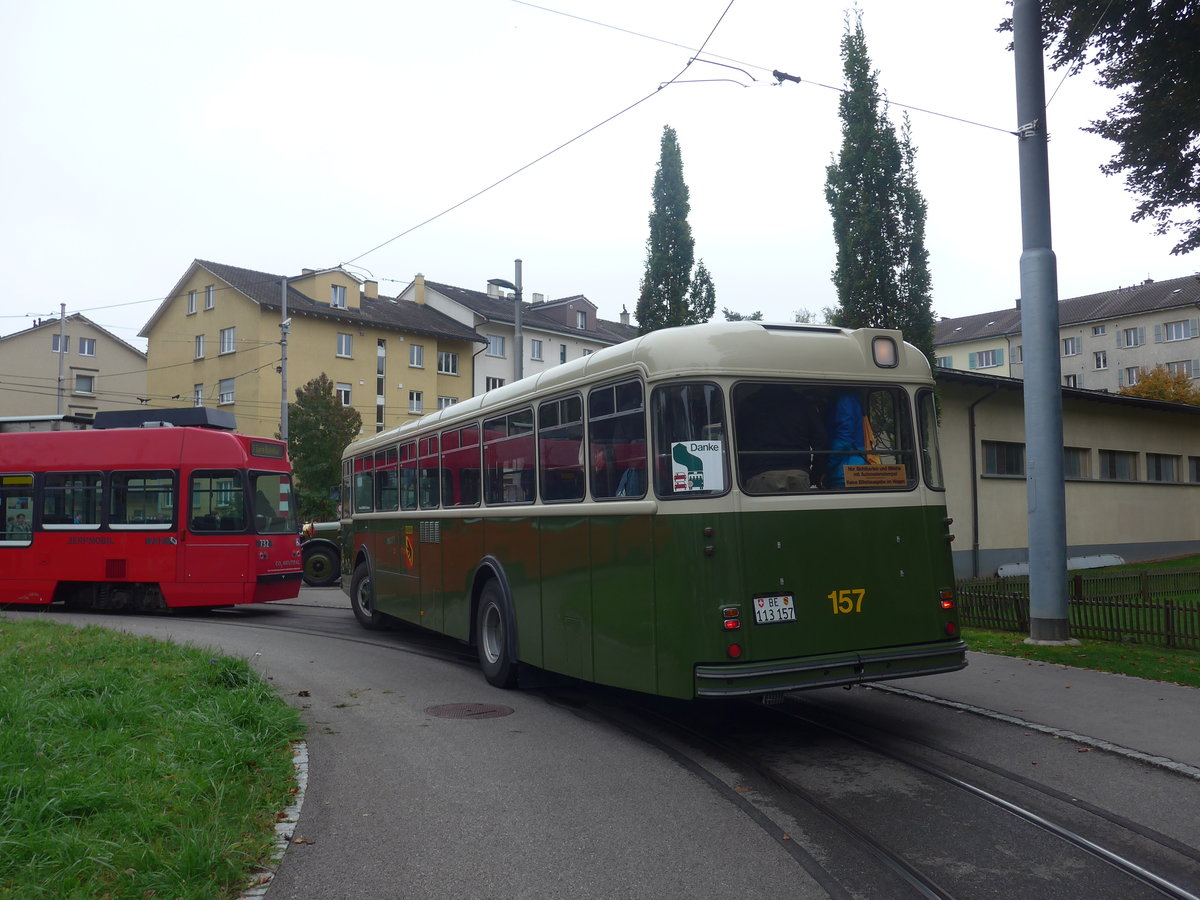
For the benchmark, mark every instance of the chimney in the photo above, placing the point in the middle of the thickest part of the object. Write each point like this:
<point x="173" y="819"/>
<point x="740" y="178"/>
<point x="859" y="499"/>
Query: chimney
<point x="493" y="291"/>
<point x="624" y="316"/>
<point x="371" y="290"/>
<point x="539" y="298"/>
<point x="419" y="289"/>
<point x="1018" y="303"/>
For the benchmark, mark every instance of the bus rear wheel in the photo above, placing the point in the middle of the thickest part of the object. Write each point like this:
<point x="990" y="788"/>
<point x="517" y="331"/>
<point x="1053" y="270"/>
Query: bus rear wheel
<point x="493" y="627"/>
<point x="362" y="599"/>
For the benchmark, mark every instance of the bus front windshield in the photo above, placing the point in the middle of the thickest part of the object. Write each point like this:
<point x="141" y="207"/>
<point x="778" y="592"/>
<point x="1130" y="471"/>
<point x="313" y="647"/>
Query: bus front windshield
<point x="273" y="512"/>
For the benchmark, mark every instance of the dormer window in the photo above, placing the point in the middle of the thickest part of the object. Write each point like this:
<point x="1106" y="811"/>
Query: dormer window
<point x="581" y="319"/>
<point x="337" y="296"/>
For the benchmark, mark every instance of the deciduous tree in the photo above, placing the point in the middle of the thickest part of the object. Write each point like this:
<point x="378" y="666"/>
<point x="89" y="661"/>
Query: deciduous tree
<point x="1147" y="51"/>
<point x="319" y="429"/>
<point x="670" y="293"/>
<point x="1159" y="384"/>
<point x="882" y="270"/>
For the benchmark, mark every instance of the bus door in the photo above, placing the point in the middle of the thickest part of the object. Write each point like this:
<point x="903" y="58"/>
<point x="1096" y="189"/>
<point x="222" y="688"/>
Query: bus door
<point x="217" y="551"/>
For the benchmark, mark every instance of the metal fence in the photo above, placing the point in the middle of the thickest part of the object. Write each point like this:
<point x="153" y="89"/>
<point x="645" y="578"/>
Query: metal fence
<point x="1147" y="607"/>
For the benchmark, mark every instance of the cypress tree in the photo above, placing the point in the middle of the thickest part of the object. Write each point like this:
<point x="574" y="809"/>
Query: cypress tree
<point x="882" y="270"/>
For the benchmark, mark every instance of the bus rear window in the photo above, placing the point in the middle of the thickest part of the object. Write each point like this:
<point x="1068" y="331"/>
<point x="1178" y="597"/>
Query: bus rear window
<point x="690" y="446"/>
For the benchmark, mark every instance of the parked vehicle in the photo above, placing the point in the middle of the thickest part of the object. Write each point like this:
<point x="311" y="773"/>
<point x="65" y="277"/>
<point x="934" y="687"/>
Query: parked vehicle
<point x="321" y="549"/>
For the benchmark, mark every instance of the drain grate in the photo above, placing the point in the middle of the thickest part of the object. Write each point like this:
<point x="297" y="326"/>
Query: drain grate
<point x="469" y="711"/>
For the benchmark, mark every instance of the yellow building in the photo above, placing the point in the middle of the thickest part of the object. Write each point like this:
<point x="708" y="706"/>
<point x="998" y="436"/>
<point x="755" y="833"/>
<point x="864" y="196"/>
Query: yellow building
<point x="216" y="341"/>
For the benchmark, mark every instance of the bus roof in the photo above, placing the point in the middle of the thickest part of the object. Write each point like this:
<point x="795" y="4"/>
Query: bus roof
<point x="730" y="349"/>
<point x="151" y="448"/>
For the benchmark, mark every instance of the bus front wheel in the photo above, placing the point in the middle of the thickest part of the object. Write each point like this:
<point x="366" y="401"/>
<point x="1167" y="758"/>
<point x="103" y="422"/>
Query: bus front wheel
<point x="362" y="599"/>
<point x="493" y="626"/>
<point x="320" y="566"/>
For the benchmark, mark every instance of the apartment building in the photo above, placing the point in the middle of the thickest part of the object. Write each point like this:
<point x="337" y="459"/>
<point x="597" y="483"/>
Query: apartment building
<point x="69" y="366"/>
<point x="1105" y="340"/>
<point x="216" y="340"/>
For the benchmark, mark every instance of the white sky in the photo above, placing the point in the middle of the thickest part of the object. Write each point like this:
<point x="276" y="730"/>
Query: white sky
<point x="282" y="135"/>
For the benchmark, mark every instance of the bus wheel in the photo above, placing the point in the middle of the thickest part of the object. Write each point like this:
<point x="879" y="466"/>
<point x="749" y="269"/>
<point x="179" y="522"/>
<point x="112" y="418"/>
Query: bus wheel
<point x="492" y="630"/>
<point x="362" y="599"/>
<point x="320" y="567"/>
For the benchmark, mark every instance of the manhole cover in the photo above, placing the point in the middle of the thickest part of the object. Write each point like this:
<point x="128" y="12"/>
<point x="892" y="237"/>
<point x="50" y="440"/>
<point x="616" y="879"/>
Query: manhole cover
<point x="469" y="711"/>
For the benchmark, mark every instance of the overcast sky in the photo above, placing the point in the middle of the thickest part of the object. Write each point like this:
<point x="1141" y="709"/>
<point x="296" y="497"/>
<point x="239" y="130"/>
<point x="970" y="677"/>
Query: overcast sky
<point x="281" y="135"/>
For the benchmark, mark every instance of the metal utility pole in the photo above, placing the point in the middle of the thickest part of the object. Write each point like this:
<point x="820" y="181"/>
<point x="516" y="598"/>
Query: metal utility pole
<point x="518" y="350"/>
<point x="285" y="327"/>
<point x="1039" y="331"/>
<point x="62" y="356"/>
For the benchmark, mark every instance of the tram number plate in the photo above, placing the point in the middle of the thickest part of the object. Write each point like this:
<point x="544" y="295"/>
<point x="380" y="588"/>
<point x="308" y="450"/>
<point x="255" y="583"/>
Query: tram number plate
<point x="779" y="608"/>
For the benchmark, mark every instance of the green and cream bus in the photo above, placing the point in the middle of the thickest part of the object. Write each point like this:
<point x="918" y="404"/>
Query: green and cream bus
<point x="720" y="510"/>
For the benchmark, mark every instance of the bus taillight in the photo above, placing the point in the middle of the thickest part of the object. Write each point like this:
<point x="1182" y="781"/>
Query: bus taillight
<point x="734" y="650"/>
<point x="946" y="598"/>
<point x="732" y="615"/>
<point x="951" y="629"/>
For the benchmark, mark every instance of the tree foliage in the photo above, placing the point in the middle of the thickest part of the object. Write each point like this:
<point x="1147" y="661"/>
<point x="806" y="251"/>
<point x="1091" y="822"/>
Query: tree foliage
<point x="882" y="270"/>
<point x="1147" y="51"/>
<point x="734" y="316"/>
<point x="319" y="429"/>
<point x="1159" y="384"/>
<point x="670" y="293"/>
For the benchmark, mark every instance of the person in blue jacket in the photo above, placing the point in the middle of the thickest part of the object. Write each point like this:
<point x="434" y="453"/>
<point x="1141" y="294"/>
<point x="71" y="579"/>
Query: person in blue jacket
<point x="846" y="437"/>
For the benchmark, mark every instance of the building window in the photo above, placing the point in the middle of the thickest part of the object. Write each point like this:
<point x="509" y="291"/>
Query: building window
<point x="1177" y="331"/>
<point x="87" y="346"/>
<point x="199" y="346"/>
<point x="210" y="297"/>
<point x="1133" y="374"/>
<point x="60" y="343"/>
<point x="85" y="384"/>
<point x="1100" y="359"/>
<point x="1194" y="469"/>
<point x="1071" y="381"/>
<point x="562" y="353"/>
<point x="581" y="319"/>
<point x="337" y="296"/>
<point x="228" y="339"/>
<point x="1118" y="465"/>
<point x="343" y="393"/>
<point x="944" y="362"/>
<point x="1076" y="462"/>
<point x="1018" y="353"/>
<point x="416" y="356"/>
<point x="586" y="352"/>
<point x="1098" y="330"/>
<point x="197" y="395"/>
<point x="535" y="349"/>
<point x="344" y="345"/>
<point x="447" y="363"/>
<point x="1132" y="337"/>
<point x="1161" y="467"/>
<point x="225" y="390"/>
<point x="415" y="402"/>
<point x="1070" y="346"/>
<point x="1003" y="458"/>
<point x="191" y="303"/>
<point x="443" y="402"/>
<point x="1184" y="367"/>
<point x="495" y="345"/>
<point x="987" y="359"/>
<point x="491" y="383"/>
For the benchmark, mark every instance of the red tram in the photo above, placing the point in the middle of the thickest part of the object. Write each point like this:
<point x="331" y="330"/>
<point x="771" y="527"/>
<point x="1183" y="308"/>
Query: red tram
<point x="178" y="511"/>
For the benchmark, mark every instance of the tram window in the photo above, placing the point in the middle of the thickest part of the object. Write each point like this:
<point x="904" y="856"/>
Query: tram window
<point x="560" y="449"/>
<point x="16" y="505"/>
<point x="145" y="499"/>
<point x="508" y="452"/>
<point x="387" y="483"/>
<point x="931" y="454"/>
<point x="617" y="441"/>
<point x="428" y="473"/>
<point x="71" y="499"/>
<point x="460" y="460"/>
<point x="218" y="501"/>
<point x="273" y="510"/>
<point x="364" y="483"/>
<point x="690" y="448"/>
<point x="408" y="475"/>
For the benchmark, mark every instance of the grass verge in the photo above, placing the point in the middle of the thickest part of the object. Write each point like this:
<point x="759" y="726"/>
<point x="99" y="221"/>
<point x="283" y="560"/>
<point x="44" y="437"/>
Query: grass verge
<point x="131" y="767"/>
<point x="1139" y="660"/>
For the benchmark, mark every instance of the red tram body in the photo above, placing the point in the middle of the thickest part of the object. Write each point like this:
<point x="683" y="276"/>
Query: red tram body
<point x="183" y="515"/>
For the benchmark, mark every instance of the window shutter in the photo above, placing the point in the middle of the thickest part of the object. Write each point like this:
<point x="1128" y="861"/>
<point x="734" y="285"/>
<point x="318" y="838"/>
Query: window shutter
<point x="1158" y="334"/>
<point x="971" y="360"/>
<point x="1141" y="335"/>
<point x="1193" y="328"/>
<point x="1000" y="357"/>
<point x="1195" y="368"/>
<point x="1119" y="333"/>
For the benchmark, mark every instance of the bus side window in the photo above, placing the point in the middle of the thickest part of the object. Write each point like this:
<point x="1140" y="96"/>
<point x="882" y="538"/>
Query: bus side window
<point x="218" y="501"/>
<point x="560" y="449"/>
<point x="16" y="503"/>
<point x="617" y="440"/>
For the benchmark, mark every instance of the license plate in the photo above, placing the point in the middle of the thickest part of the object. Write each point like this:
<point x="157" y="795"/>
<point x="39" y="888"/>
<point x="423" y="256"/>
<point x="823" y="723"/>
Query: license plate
<point x="769" y="610"/>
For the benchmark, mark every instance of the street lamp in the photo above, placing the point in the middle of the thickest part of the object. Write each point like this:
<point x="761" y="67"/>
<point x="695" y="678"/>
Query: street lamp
<point x="518" y="364"/>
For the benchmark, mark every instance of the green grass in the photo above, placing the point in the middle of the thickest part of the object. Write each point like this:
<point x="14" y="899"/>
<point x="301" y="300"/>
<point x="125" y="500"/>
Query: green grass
<point x="134" y="768"/>
<point x="1140" y="660"/>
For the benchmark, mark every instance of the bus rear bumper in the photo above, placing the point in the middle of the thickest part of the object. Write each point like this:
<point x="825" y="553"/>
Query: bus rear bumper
<point x="860" y="667"/>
